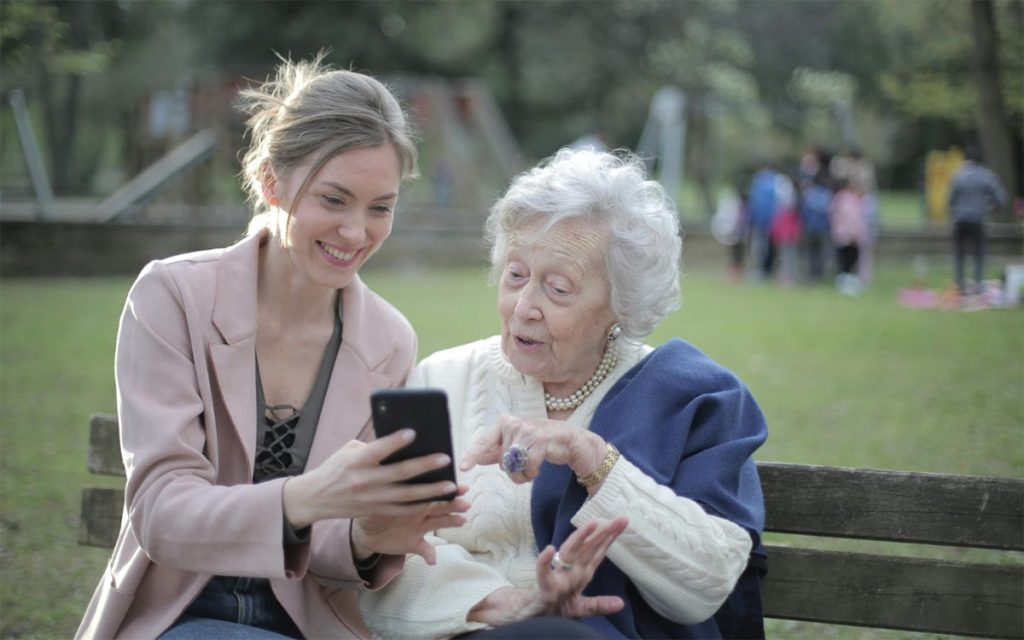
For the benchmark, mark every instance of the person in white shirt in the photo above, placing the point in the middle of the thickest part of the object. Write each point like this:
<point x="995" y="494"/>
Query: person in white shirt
<point x="610" y="483"/>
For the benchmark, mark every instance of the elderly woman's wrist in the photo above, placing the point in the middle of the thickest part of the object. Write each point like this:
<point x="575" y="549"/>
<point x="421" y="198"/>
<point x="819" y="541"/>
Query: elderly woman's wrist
<point x="506" y="605"/>
<point x="590" y="453"/>
<point x="593" y="482"/>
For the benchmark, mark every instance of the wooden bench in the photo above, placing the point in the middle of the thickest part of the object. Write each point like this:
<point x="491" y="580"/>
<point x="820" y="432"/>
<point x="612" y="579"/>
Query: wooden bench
<point x="864" y="589"/>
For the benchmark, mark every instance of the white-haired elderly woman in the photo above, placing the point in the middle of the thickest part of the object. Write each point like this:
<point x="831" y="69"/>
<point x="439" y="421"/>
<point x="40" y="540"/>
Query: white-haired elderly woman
<point x="609" y="481"/>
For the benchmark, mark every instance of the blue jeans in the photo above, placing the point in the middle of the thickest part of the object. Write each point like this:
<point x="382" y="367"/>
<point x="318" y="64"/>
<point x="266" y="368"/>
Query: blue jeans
<point x="189" y="628"/>
<point x="234" y="608"/>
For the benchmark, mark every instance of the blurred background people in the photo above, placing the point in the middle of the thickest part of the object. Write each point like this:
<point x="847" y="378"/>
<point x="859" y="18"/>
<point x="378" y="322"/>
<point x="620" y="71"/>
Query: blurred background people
<point x="786" y="231"/>
<point x="761" y="206"/>
<point x="729" y="226"/>
<point x="974" y="193"/>
<point x="849" y="228"/>
<point x="815" y="198"/>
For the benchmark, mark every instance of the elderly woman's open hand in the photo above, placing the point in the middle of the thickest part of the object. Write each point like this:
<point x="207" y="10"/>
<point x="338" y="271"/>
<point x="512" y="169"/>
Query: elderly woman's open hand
<point x="562" y="575"/>
<point x="520" y="445"/>
<point x="561" y="578"/>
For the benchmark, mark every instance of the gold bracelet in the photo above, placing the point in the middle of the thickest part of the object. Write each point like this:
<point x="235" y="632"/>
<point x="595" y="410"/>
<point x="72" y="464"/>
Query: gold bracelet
<point x="602" y="470"/>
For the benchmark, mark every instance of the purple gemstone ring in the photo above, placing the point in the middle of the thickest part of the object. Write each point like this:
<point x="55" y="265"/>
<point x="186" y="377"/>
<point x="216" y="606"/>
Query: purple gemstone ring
<point x="514" y="459"/>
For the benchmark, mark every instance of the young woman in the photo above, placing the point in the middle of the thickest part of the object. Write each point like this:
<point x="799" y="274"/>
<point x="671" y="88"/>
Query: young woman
<point x="255" y="503"/>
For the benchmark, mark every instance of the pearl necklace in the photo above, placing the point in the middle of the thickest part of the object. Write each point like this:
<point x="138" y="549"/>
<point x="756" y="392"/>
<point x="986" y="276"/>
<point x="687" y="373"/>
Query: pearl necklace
<point x="608" y="360"/>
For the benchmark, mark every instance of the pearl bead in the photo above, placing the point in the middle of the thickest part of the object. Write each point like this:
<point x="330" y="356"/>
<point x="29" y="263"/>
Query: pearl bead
<point x="577" y="397"/>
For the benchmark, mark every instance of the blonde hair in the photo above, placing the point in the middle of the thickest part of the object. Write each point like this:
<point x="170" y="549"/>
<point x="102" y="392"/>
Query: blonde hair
<point x="309" y="108"/>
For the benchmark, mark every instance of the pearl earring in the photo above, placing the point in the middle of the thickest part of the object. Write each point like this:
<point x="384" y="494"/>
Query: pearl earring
<point x="615" y="332"/>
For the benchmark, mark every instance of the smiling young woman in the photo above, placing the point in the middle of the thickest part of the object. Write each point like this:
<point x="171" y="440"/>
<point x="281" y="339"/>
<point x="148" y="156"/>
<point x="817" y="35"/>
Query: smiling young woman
<point x="257" y="505"/>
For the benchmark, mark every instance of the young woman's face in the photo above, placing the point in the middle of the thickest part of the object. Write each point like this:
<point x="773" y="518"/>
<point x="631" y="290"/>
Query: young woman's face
<point x="553" y="299"/>
<point x="344" y="215"/>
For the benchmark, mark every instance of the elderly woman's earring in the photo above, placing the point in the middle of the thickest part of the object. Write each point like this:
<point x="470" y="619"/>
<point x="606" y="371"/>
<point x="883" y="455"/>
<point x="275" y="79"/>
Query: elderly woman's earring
<point x="615" y="332"/>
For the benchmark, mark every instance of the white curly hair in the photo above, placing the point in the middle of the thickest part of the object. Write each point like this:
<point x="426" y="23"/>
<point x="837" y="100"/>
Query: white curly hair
<point x="642" y="260"/>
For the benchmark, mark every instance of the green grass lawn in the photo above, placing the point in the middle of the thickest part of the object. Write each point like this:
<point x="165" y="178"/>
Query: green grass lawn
<point x="855" y="382"/>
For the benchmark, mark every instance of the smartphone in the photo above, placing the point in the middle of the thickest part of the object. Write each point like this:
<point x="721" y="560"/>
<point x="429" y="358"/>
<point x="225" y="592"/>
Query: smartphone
<point x="425" y="411"/>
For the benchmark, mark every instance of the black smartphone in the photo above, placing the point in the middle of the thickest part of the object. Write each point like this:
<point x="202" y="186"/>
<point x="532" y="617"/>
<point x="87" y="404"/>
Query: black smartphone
<point x="425" y="411"/>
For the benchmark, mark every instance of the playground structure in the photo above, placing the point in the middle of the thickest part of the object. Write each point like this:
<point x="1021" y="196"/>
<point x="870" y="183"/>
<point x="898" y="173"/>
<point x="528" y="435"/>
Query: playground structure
<point x="467" y="156"/>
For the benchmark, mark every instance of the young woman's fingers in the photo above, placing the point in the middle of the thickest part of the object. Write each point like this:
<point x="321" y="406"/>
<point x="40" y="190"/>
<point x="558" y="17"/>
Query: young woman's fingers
<point x="375" y="451"/>
<point x="422" y="495"/>
<point x="408" y="469"/>
<point x="445" y="507"/>
<point x="442" y="522"/>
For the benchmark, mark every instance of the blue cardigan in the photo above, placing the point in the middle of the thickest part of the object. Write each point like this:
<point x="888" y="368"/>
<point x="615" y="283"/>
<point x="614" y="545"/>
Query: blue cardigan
<point x="692" y="425"/>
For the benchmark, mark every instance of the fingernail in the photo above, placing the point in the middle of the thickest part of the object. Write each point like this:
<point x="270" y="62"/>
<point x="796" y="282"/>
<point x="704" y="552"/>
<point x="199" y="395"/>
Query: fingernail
<point x="408" y="435"/>
<point x="442" y="460"/>
<point x="448" y="487"/>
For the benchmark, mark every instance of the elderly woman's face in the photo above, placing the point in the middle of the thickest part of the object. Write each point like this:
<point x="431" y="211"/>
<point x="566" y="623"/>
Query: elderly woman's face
<point x="554" y="304"/>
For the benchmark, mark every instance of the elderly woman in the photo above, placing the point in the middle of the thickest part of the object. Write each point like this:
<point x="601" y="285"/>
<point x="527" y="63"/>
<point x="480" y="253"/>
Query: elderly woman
<point x="568" y="427"/>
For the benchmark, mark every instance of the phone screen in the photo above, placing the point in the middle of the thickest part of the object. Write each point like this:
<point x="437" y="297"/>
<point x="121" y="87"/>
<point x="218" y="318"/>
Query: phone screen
<point x="426" y="412"/>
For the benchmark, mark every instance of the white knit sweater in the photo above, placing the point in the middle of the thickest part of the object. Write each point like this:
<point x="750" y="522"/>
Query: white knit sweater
<point x="684" y="561"/>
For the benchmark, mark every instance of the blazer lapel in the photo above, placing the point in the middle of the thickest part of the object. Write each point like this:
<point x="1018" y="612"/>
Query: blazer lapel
<point x="234" y="366"/>
<point x="346" y="409"/>
<point x="234" y="361"/>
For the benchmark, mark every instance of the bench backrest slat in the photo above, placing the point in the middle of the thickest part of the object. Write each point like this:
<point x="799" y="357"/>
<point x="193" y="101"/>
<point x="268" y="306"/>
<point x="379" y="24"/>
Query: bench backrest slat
<point x="105" y="446"/>
<point x="896" y="593"/>
<point x="101" y="516"/>
<point x="893" y="505"/>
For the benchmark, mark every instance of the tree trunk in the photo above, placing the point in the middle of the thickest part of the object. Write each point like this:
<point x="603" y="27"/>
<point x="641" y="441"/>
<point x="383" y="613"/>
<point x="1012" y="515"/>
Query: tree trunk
<point x="508" y="47"/>
<point x="701" y="153"/>
<point x="996" y="135"/>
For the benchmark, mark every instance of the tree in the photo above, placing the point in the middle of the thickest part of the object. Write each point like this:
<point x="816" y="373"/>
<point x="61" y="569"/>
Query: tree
<point x="59" y="44"/>
<point x="996" y="134"/>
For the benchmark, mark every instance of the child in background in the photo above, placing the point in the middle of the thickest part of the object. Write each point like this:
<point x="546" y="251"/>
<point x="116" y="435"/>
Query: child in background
<point x="785" y="231"/>
<point x="848" y="222"/>
<point x="814" y="203"/>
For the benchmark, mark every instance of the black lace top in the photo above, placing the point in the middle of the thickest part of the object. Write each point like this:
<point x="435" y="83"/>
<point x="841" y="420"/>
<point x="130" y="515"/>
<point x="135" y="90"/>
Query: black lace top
<point x="284" y="434"/>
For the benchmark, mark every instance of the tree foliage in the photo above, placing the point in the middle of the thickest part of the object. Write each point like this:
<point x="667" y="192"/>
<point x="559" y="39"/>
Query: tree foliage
<point x="763" y="78"/>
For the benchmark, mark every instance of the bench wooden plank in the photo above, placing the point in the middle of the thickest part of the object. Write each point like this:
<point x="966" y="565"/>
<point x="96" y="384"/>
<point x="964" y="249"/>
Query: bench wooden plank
<point x="105" y="446"/>
<point x="896" y="593"/>
<point x="101" y="516"/>
<point x="894" y="505"/>
<point x="805" y="584"/>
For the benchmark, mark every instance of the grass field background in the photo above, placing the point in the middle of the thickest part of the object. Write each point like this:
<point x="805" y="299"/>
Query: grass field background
<point x="854" y="382"/>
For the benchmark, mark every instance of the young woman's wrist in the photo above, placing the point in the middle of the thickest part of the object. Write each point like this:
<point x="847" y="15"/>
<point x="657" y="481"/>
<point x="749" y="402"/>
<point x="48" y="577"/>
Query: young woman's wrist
<point x="299" y="507"/>
<point x="360" y="550"/>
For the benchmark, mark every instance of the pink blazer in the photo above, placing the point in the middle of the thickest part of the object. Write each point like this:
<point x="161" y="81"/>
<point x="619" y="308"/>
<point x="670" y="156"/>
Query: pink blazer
<point x="186" y="401"/>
